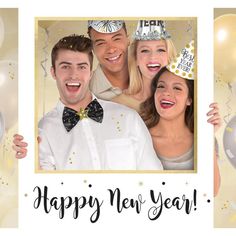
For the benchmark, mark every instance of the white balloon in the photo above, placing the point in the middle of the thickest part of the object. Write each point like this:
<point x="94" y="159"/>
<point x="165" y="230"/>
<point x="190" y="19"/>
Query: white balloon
<point x="233" y="85"/>
<point x="9" y="54"/>
<point x="229" y="141"/>
<point x="2" y="126"/>
<point x="2" y="31"/>
<point x="9" y="92"/>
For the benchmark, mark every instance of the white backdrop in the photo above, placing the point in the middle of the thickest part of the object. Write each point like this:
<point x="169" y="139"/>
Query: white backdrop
<point x="171" y="221"/>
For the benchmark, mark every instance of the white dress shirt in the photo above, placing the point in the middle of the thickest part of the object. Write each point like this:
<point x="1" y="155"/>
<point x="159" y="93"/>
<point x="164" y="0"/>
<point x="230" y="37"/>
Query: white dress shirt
<point x="120" y="142"/>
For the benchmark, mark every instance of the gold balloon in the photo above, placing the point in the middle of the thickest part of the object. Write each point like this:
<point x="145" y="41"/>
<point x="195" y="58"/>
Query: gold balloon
<point x="225" y="47"/>
<point x="1" y="31"/>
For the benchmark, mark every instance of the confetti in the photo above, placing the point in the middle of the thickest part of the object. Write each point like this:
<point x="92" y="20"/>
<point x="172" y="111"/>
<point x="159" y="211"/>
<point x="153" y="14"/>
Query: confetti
<point x="228" y="129"/>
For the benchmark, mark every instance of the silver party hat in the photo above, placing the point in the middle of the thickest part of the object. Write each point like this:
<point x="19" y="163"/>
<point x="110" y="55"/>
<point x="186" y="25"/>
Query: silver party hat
<point x="151" y="30"/>
<point x="106" y="26"/>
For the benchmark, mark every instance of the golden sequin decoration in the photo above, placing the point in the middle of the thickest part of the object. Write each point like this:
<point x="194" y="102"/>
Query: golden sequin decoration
<point x="82" y="113"/>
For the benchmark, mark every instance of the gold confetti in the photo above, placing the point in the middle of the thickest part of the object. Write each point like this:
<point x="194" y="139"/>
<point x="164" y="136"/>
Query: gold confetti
<point x="229" y="129"/>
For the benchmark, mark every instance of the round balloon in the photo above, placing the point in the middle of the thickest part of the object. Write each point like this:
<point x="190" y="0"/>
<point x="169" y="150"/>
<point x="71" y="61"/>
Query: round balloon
<point x="9" y="92"/>
<point x="225" y="47"/>
<point x="2" y="126"/>
<point x="1" y="31"/>
<point x="229" y="141"/>
<point x="233" y="85"/>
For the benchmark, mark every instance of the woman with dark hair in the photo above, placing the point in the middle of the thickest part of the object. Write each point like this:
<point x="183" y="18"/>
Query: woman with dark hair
<point x="169" y="115"/>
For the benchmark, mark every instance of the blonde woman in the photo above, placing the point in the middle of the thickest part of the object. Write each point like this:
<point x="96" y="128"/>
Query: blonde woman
<point x="150" y="50"/>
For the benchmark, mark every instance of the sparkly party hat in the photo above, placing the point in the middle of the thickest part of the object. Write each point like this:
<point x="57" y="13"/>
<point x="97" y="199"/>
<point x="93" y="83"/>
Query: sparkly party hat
<point x="151" y="30"/>
<point x="183" y="64"/>
<point x="106" y="26"/>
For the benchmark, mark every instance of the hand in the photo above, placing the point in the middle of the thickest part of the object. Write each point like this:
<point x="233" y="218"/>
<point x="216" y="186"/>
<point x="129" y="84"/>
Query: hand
<point x="19" y="146"/>
<point x="214" y="115"/>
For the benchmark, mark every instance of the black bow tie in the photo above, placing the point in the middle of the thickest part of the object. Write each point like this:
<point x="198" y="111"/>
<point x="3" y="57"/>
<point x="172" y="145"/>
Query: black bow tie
<point x="71" y="117"/>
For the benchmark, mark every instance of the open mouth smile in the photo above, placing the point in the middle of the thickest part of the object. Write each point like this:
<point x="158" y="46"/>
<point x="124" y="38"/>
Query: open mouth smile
<point x="113" y="59"/>
<point x="73" y="86"/>
<point x="154" y="66"/>
<point x="165" y="104"/>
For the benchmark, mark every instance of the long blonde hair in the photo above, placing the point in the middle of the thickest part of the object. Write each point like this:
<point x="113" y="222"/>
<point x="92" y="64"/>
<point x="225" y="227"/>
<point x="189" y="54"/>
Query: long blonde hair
<point x="135" y="76"/>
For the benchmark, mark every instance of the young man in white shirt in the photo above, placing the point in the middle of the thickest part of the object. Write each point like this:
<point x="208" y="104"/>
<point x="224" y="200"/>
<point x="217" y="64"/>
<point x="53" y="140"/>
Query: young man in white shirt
<point x="83" y="132"/>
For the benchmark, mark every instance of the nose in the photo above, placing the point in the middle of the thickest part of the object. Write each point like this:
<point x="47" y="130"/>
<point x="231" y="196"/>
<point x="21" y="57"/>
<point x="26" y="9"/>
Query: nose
<point x="111" y="48"/>
<point x="166" y="91"/>
<point x="74" y="73"/>
<point x="154" y="55"/>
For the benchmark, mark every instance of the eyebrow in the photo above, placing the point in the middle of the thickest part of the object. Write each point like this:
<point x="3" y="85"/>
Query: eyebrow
<point x="103" y="40"/>
<point x="157" y="46"/>
<point x="69" y="63"/>
<point x="118" y="34"/>
<point x="175" y="83"/>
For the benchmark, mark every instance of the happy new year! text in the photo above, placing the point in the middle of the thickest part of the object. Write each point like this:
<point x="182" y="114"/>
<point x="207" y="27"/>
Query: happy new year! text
<point x="157" y="203"/>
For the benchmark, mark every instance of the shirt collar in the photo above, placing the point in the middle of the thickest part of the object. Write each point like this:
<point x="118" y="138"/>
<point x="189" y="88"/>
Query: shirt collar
<point x="60" y="105"/>
<point x="102" y="83"/>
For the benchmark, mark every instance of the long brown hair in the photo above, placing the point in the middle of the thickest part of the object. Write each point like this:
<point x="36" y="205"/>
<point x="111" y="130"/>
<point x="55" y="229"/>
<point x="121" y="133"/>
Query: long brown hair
<point x="148" y="110"/>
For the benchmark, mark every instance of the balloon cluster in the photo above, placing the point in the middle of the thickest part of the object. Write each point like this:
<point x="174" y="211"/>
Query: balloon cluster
<point x="225" y="68"/>
<point x="1" y="31"/>
<point x="229" y="141"/>
<point x="8" y="84"/>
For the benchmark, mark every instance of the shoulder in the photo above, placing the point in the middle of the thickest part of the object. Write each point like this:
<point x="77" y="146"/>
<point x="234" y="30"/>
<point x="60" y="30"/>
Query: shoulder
<point x="113" y="106"/>
<point x="51" y="117"/>
<point x="128" y="115"/>
<point x="127" y="100"/>
<point x="97" y="76"/>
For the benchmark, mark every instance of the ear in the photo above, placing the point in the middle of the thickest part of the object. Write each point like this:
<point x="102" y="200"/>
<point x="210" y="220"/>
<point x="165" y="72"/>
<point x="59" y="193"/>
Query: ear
<point x="189" y="101"/>
<point x="53" y="73"/>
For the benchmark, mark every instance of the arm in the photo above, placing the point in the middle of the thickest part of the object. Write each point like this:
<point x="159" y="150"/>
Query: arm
<point x="216" y="175"/>
<point x="215" y="119"/>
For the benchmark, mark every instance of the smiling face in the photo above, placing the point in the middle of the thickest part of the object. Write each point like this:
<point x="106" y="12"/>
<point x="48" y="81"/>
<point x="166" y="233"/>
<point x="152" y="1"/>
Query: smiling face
<point x="72" y="74"/>
<point x="151" y="57"/>
<point x="111" y="49"/>
<point x="171" y="96"/>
